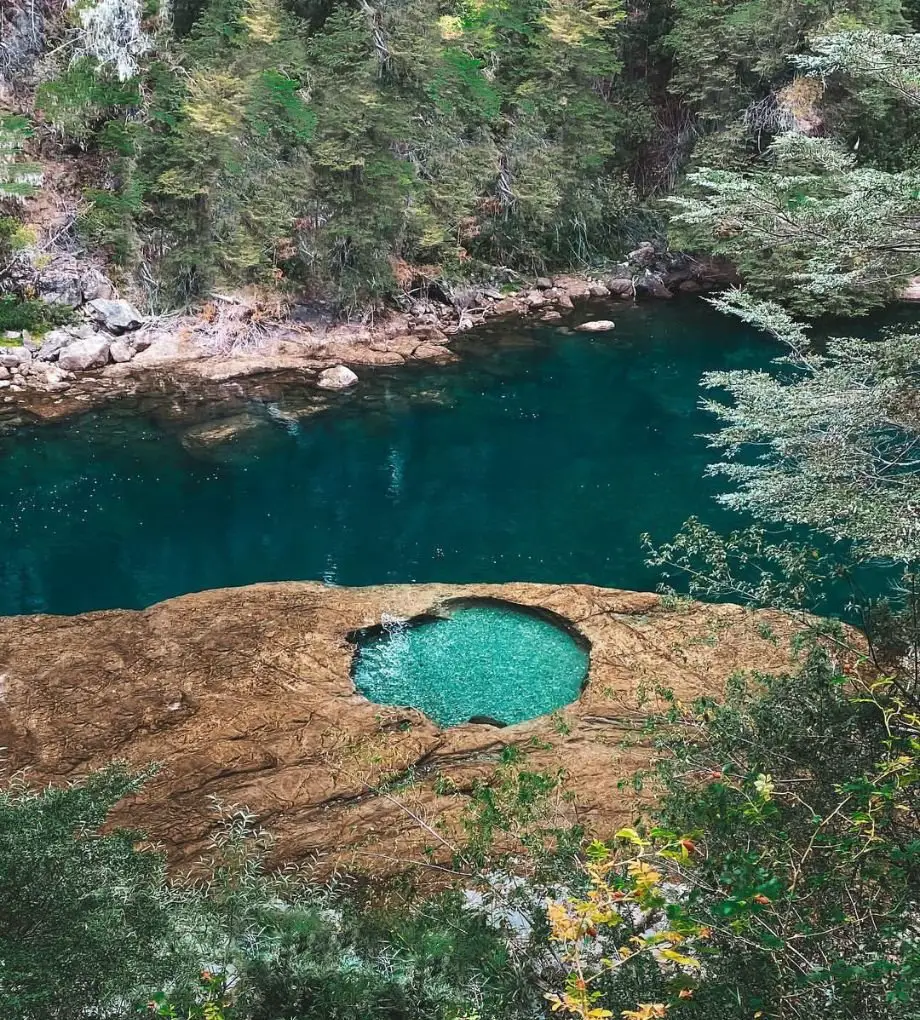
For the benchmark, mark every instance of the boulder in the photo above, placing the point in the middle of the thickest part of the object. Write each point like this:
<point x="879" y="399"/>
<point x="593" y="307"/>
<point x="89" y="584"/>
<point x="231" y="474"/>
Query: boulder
<point x="621" y="287"/>
<point x="507" y="306"/>
<point x="431" y="333"/>
<point x="396" y="325"/>
<point x="120" y="351"/>
<point x="52" y="344"/>
<point x="690" y="287"/>
<point x="84" y="354"/>
<point x="117" y="316"/>
<point x="337" y="378"/>
<point x="402" y="345"/>
<point x="543" y="283"/>
<point x="535" y="299"/>
<point x="644" y="255"/>
<point x="551" y="316"/>
<point x="83" y="331"/>
<point x="12" y="357"/>
<point x="434" y="352"/>
<point x="141" y="341"/>
<point x="48" y="375"/>
<point x="96" y="285"/>
<point x="651" y="286"/>
<point x="61" y="287"/>
<point x="372" y="356"/>
<point x="573" y="286"/>
<point x="596" y="326"/>
<point x="4" y="372"/>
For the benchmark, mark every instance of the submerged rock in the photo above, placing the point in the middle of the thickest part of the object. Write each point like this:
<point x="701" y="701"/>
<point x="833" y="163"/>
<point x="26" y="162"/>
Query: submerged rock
<point x="338" y="378"/>
<point x="224" y="430"/>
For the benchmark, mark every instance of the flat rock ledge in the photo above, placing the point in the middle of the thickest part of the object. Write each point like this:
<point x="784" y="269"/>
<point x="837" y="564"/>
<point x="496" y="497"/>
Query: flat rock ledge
<point x="245" y="695"/>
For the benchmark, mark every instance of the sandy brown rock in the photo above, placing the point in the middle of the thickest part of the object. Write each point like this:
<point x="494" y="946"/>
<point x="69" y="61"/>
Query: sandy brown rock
<point x="245" y="695"/>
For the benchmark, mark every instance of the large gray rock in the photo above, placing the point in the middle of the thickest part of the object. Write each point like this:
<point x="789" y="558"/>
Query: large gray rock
<point x="651" y="285"/>
<point x="644" y="255"/>
<point x="50" y="376"/>
<point x="13" y="357"/>
<point x="141" y="341"/>
<point x="53" y="342"/>
<point x="84" y="354"/>
<point x="117" y="316"/>
<point x="96" y="285"/>
<point x="338" y="378"/>
<point x="61" y="288"/>
<point x="121" y="351"/>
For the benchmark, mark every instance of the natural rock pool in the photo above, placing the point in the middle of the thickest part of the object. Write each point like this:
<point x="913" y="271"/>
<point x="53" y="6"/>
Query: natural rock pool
<point x="484" y="661"/>
<point x="541" y="456"/>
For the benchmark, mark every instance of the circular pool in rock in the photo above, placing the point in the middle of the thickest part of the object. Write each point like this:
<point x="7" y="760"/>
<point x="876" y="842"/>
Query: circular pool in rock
<point x="479" y="660"/>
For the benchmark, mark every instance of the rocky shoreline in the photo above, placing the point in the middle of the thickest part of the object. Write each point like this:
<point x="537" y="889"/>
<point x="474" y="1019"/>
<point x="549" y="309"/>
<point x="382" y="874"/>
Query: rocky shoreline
<point x="111" y="350"/>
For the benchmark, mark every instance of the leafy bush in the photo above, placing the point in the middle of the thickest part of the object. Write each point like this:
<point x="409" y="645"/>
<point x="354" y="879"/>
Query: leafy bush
<point x="35" y="316"/>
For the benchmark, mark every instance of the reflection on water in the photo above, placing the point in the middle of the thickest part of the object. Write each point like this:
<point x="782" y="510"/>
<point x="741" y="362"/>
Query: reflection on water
<point x="542" y="458"/>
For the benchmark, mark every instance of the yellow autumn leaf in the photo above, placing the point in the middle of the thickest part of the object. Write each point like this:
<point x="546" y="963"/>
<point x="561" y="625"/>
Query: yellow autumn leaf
<point x="645" y="1011"/>
<point x="631" y="836"/>
<point x="679" y="958"/>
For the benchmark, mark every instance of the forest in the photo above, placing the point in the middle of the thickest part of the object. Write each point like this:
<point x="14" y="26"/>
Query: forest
<point x="350" y="152"/>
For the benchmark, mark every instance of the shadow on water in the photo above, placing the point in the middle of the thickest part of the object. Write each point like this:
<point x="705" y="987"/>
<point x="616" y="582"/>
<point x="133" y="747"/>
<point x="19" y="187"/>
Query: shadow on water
<point x="542" y="456"/>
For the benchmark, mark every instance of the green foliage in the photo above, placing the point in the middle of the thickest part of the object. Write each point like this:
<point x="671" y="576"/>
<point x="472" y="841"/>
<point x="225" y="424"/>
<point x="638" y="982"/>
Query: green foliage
<point x="727" y="52"/>
<point x="86" y="920"/>
<point x="18" y="178"/>
<point x="326" y="149"/>
<point x="34" y="316"/>
<point x="832" y="437"/>
<point x="85" y="97"/>
<point x="811" y="229"/>
<point x="807" y="869"/>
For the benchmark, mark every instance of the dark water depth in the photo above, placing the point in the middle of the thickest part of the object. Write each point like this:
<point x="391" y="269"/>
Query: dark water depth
<point x="541" y="457"/>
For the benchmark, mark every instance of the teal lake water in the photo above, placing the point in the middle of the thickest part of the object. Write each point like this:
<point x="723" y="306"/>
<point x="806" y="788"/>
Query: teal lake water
<point x="483" y="662"/>
<point x="542" y="456"/>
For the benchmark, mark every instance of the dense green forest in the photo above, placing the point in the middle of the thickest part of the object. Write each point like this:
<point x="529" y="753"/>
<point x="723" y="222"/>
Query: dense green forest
<point x="350" y="149"/>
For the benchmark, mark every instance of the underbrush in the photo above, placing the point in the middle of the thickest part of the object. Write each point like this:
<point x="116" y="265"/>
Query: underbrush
<point x="17" y="315"/>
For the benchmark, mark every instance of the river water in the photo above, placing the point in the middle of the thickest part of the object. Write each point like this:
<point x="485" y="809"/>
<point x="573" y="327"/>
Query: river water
<point x="542" y="456"/>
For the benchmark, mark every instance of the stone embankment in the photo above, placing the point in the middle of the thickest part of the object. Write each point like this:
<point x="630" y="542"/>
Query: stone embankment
<point x="111" y="349"/>
<point x="245" y="695"/>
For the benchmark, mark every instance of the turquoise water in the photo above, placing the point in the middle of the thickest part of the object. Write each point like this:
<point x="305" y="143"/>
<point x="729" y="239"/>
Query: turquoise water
<point x="489" y="662"/>
<point x="542" y="456"/>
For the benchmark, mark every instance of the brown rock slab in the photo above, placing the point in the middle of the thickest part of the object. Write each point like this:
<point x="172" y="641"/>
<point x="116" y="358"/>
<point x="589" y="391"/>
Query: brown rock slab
<point x="245" y="695"/>
<point x="434" y="352"/>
